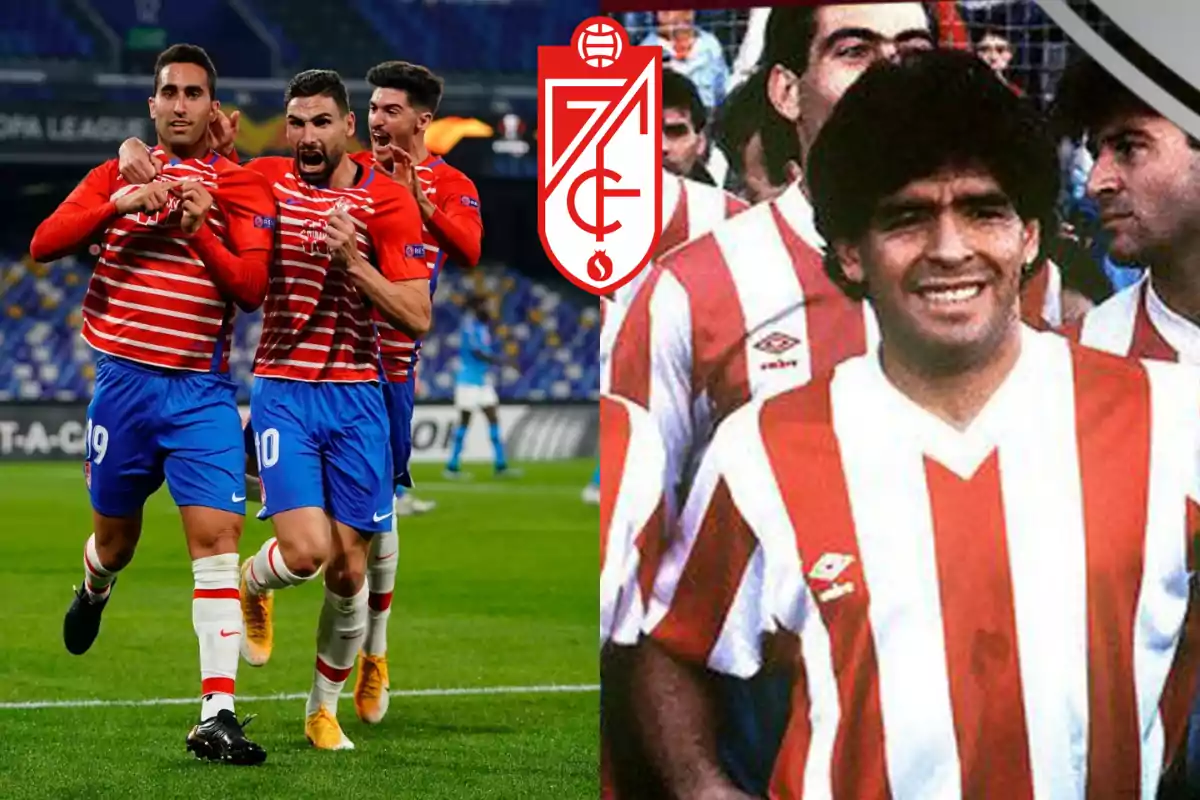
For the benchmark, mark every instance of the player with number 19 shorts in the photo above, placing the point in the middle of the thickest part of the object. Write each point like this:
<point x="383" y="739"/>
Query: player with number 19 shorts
<point x="178" y="254"/>
<point x="403" y="102"/>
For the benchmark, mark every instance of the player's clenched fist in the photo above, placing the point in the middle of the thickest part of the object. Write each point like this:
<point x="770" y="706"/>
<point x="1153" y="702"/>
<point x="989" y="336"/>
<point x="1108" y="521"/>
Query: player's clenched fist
<point x="342" y="239"/>
<point x="148" y="198"/>
<point x="136" y="164"/>
<point x="195" y="201"/>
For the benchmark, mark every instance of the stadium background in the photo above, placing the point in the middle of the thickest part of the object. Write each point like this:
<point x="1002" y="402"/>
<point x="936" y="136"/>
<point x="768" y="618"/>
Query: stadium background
<point x="74" y="75"/>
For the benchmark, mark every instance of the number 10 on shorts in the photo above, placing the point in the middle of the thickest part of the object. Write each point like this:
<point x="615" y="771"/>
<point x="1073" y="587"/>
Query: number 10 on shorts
<point x="266" y="446"/>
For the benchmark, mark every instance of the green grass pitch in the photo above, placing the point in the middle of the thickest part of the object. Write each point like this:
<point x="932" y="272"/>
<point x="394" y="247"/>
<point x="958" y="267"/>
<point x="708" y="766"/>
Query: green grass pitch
<point x="497" y="588"/>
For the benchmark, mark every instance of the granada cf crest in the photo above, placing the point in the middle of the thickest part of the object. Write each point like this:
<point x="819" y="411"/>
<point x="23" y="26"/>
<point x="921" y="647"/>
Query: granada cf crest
<point x="599" y="155"/>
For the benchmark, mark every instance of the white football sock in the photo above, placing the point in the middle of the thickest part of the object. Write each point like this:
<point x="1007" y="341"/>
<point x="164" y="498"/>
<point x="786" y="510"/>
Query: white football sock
<point x="339" y="634"/>
<point x="217" y="619"/>
<point x="268" y="570"/>
<point x="381" y="581"/>
<point x="98" y="579"/>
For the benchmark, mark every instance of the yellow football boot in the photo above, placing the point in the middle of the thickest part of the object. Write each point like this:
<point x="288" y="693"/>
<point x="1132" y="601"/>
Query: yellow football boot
<point x="258" y="622"/>
<point x="324" y="732"/>
<point x="371" y="688"/>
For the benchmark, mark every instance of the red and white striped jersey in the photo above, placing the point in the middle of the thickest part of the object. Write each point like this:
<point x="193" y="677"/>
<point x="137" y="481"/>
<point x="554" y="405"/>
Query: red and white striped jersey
<point x="988" y="612"/>
<point x="151" y="299"/>
<point x="457" y="201"/>
<point x="316" y="327"/>
<point x="633" y="514"/>
<point x="1136" y="322"/>
<point x="1041" y="298"/>
<point x="742" y="311"/>
<point x="689" y="209"/>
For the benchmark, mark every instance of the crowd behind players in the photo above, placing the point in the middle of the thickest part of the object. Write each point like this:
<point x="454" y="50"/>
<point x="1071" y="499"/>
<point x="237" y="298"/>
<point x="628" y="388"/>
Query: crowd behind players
<point x="721" y="128"/>
<point x="704" y="336"/>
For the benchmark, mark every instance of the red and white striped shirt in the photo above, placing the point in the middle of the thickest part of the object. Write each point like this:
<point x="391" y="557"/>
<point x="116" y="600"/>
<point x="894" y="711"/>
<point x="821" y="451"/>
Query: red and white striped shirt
<point x="742" y="311"/>
<point x="456" y="223"/>
<point x="745" y="311"/>
<point x="151" y="299"/>
<point x="633" y="515"/>
<point x="993" y="612"/>
<point x="1136" y="322"/>
<point x="689" y="209"/>
<point x="316" y="327"/>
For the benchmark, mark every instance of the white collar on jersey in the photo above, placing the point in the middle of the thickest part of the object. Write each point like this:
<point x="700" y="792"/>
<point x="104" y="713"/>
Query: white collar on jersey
<point x="961" y="451"/>
<point x="1181" y="333"/>
<point x="798" y="213"/>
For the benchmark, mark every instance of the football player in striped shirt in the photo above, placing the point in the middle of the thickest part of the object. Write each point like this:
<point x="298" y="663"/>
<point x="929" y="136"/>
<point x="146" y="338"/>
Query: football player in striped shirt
<point x="977" y="543"/>
<point x="747" y="308"/>
<point x="404" y="100"/>
<point x="1146" y="182"/>
<point x="634" y="519"/>
<point x="349" y="247"/>
<point x="179" y="254"/>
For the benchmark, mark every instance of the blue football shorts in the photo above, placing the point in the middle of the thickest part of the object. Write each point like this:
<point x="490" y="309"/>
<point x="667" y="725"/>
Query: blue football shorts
<point x="146" y="424"/>
<point x="399" y="400"/>
<point x="324" y="445"/>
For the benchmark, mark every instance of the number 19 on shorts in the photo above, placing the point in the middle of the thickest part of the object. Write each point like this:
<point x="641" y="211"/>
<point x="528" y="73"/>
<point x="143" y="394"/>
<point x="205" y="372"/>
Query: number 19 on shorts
<point x="96" y="442"/>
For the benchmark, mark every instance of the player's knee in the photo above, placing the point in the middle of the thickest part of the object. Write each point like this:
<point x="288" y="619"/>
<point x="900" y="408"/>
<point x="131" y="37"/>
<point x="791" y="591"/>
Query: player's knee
<point x="211" y="532"/>
<point x="116" y="539"/>
<point x="304" y="558"/>
<point x="344" y="578"/>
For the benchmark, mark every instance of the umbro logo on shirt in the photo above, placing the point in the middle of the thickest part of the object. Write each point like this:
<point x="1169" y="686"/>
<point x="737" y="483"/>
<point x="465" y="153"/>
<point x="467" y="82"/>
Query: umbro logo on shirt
<point x="828" y="568"/>
<point x="776" y="343"/>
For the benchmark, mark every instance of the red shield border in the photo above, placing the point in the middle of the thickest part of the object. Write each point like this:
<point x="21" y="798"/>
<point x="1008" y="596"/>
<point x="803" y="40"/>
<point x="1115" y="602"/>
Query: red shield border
<point x="557" y="61"/>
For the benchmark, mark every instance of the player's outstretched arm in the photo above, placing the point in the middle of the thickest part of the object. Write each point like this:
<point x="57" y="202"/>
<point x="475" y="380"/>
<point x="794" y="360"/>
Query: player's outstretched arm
<point x="398" y="289"/>
<point x="88" y="209"/>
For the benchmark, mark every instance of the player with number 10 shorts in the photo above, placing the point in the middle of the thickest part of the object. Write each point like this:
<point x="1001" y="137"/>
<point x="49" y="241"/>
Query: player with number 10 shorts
<point x="349" y="245"/>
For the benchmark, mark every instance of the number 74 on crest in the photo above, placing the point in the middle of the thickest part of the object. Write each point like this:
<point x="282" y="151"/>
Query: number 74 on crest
<point x="599" y="155"/>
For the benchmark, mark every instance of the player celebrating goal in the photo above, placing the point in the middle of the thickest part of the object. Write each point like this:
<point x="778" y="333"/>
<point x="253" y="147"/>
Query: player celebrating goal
<point x="977" y="542"/>
<point x="404" y="100"/>
<point x="178" y="253"/>
<point x="347" y="234"/>
<point x="349" y="244"/>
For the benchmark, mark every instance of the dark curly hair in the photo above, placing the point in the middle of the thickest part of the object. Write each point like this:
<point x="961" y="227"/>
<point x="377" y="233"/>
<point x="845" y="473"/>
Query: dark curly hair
<point x="907" y="120"/>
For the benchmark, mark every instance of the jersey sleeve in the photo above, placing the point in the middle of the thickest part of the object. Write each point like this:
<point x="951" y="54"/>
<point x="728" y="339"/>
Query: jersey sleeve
<point x="710" y="601"/>
<point x="456" y="222"/>
<point x="80" y="216"/>
<point x="246" y="198"/>
<point x="395" y="232"/>
<point x="634" y="518"/>
<point x="651" y="363"/>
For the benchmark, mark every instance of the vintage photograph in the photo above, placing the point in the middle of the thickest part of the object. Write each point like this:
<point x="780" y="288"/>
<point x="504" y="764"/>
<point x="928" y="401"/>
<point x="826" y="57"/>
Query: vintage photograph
<point x="900" y="433"/>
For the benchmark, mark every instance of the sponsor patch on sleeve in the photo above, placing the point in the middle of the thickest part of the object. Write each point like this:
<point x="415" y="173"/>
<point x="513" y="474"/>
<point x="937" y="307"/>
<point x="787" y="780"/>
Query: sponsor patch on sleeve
<point x="263" y="221"/>
<point x="414" y="250"/>
<point x="469" y="201"/>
